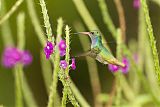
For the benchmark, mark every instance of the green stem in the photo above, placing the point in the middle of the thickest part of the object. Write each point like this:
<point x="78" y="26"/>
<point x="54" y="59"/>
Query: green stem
<point x="18" y="86"/>
<point x="53" y="88"/>
<point x="150" y="70"/>
<point x="106" y="17"/>
<point x="53" y="92"/>
<point x="11" y="11"/>
<point x="64" y="75"/>
<point x="5" y="29"/>
<point x="66" y="83"/>
<point x="27" y="93"/>
<point x="67" y="57"/>
<point x="19" y="68"/>
<point x="35" y="21"/>
<point x="46" y="21"/>
<point x="46" y="71"/>
<point x="30" y="100"/>
<point x="64" y="98"/>
<point x="141" y="38"/>
<point x="21" y="30"/>
<point x="151" y="39"/>
<point x="119" y="75"/>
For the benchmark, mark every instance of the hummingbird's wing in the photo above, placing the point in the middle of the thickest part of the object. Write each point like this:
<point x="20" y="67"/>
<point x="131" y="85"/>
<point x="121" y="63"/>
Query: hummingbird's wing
<point x="92" y="53"/>
<point x="88" y="53"/>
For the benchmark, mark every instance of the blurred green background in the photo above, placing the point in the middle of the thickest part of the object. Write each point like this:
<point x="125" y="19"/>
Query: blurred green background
<point x="67" y="10"/>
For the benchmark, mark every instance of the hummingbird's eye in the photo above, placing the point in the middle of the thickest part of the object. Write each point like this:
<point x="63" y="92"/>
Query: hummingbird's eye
<point x="92" y="33"/>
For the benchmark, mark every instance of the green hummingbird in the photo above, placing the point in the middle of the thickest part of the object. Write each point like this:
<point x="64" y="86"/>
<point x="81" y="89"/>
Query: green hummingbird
<point x="98" y="51"/>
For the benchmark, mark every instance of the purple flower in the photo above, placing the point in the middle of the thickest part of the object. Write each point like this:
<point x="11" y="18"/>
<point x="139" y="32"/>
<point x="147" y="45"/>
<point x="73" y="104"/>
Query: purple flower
<point x="10" y="57"/>
<point x="62" y="53"/>
<point x="63" y="64"/>
<point x="26" y="58"/>
<point x="62" y="45"/>
<point x="126" y="68"/>
<point x="73" y="65"/>
<point x="48" y="50"/>
<point x="136" y="4"/>
<point x="113" y="68"/>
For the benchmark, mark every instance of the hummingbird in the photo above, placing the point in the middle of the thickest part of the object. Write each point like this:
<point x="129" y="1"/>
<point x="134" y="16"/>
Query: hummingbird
<point x="98" y="50"/>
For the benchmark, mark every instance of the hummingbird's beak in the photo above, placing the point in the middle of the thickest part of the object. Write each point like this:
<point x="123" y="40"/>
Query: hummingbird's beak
<point x="86" y="33"/>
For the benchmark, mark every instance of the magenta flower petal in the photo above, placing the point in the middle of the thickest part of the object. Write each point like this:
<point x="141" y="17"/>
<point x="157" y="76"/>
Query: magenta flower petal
<point x="62" y="53"/>
<point x="10" y="57"/>
<point x="73" y="65"/>
<point x="48" y="50"/>
<point x="62" y="45"/>
<point x="113" y="68"/>
<point x="47" y="56"/>
<point x="63" y="64"/>
<point x="136" y="4"/>
<point x="26" y="58"/>
<point x="126" y="68"/>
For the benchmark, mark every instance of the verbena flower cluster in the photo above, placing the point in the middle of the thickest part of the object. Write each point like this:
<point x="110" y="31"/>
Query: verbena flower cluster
<point x="63" y="64"/>
<point x="62" y="47"/>
<point x="115" y="68"/>
<point x="12" y="56"/>
<point x="49" y="50"/>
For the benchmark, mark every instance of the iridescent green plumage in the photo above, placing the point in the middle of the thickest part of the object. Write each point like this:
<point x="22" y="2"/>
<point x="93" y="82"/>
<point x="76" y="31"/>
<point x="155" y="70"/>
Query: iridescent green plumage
<point x="98" y="51"/>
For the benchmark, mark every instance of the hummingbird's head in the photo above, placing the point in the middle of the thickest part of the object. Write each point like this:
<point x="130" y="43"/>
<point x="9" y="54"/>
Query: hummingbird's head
<point x="94" y="33"/>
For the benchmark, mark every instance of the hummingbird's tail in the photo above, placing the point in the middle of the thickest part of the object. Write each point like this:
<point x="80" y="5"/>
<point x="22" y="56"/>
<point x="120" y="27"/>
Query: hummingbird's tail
<point x="116" y="62"/>
<point x="120" y="64"/>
